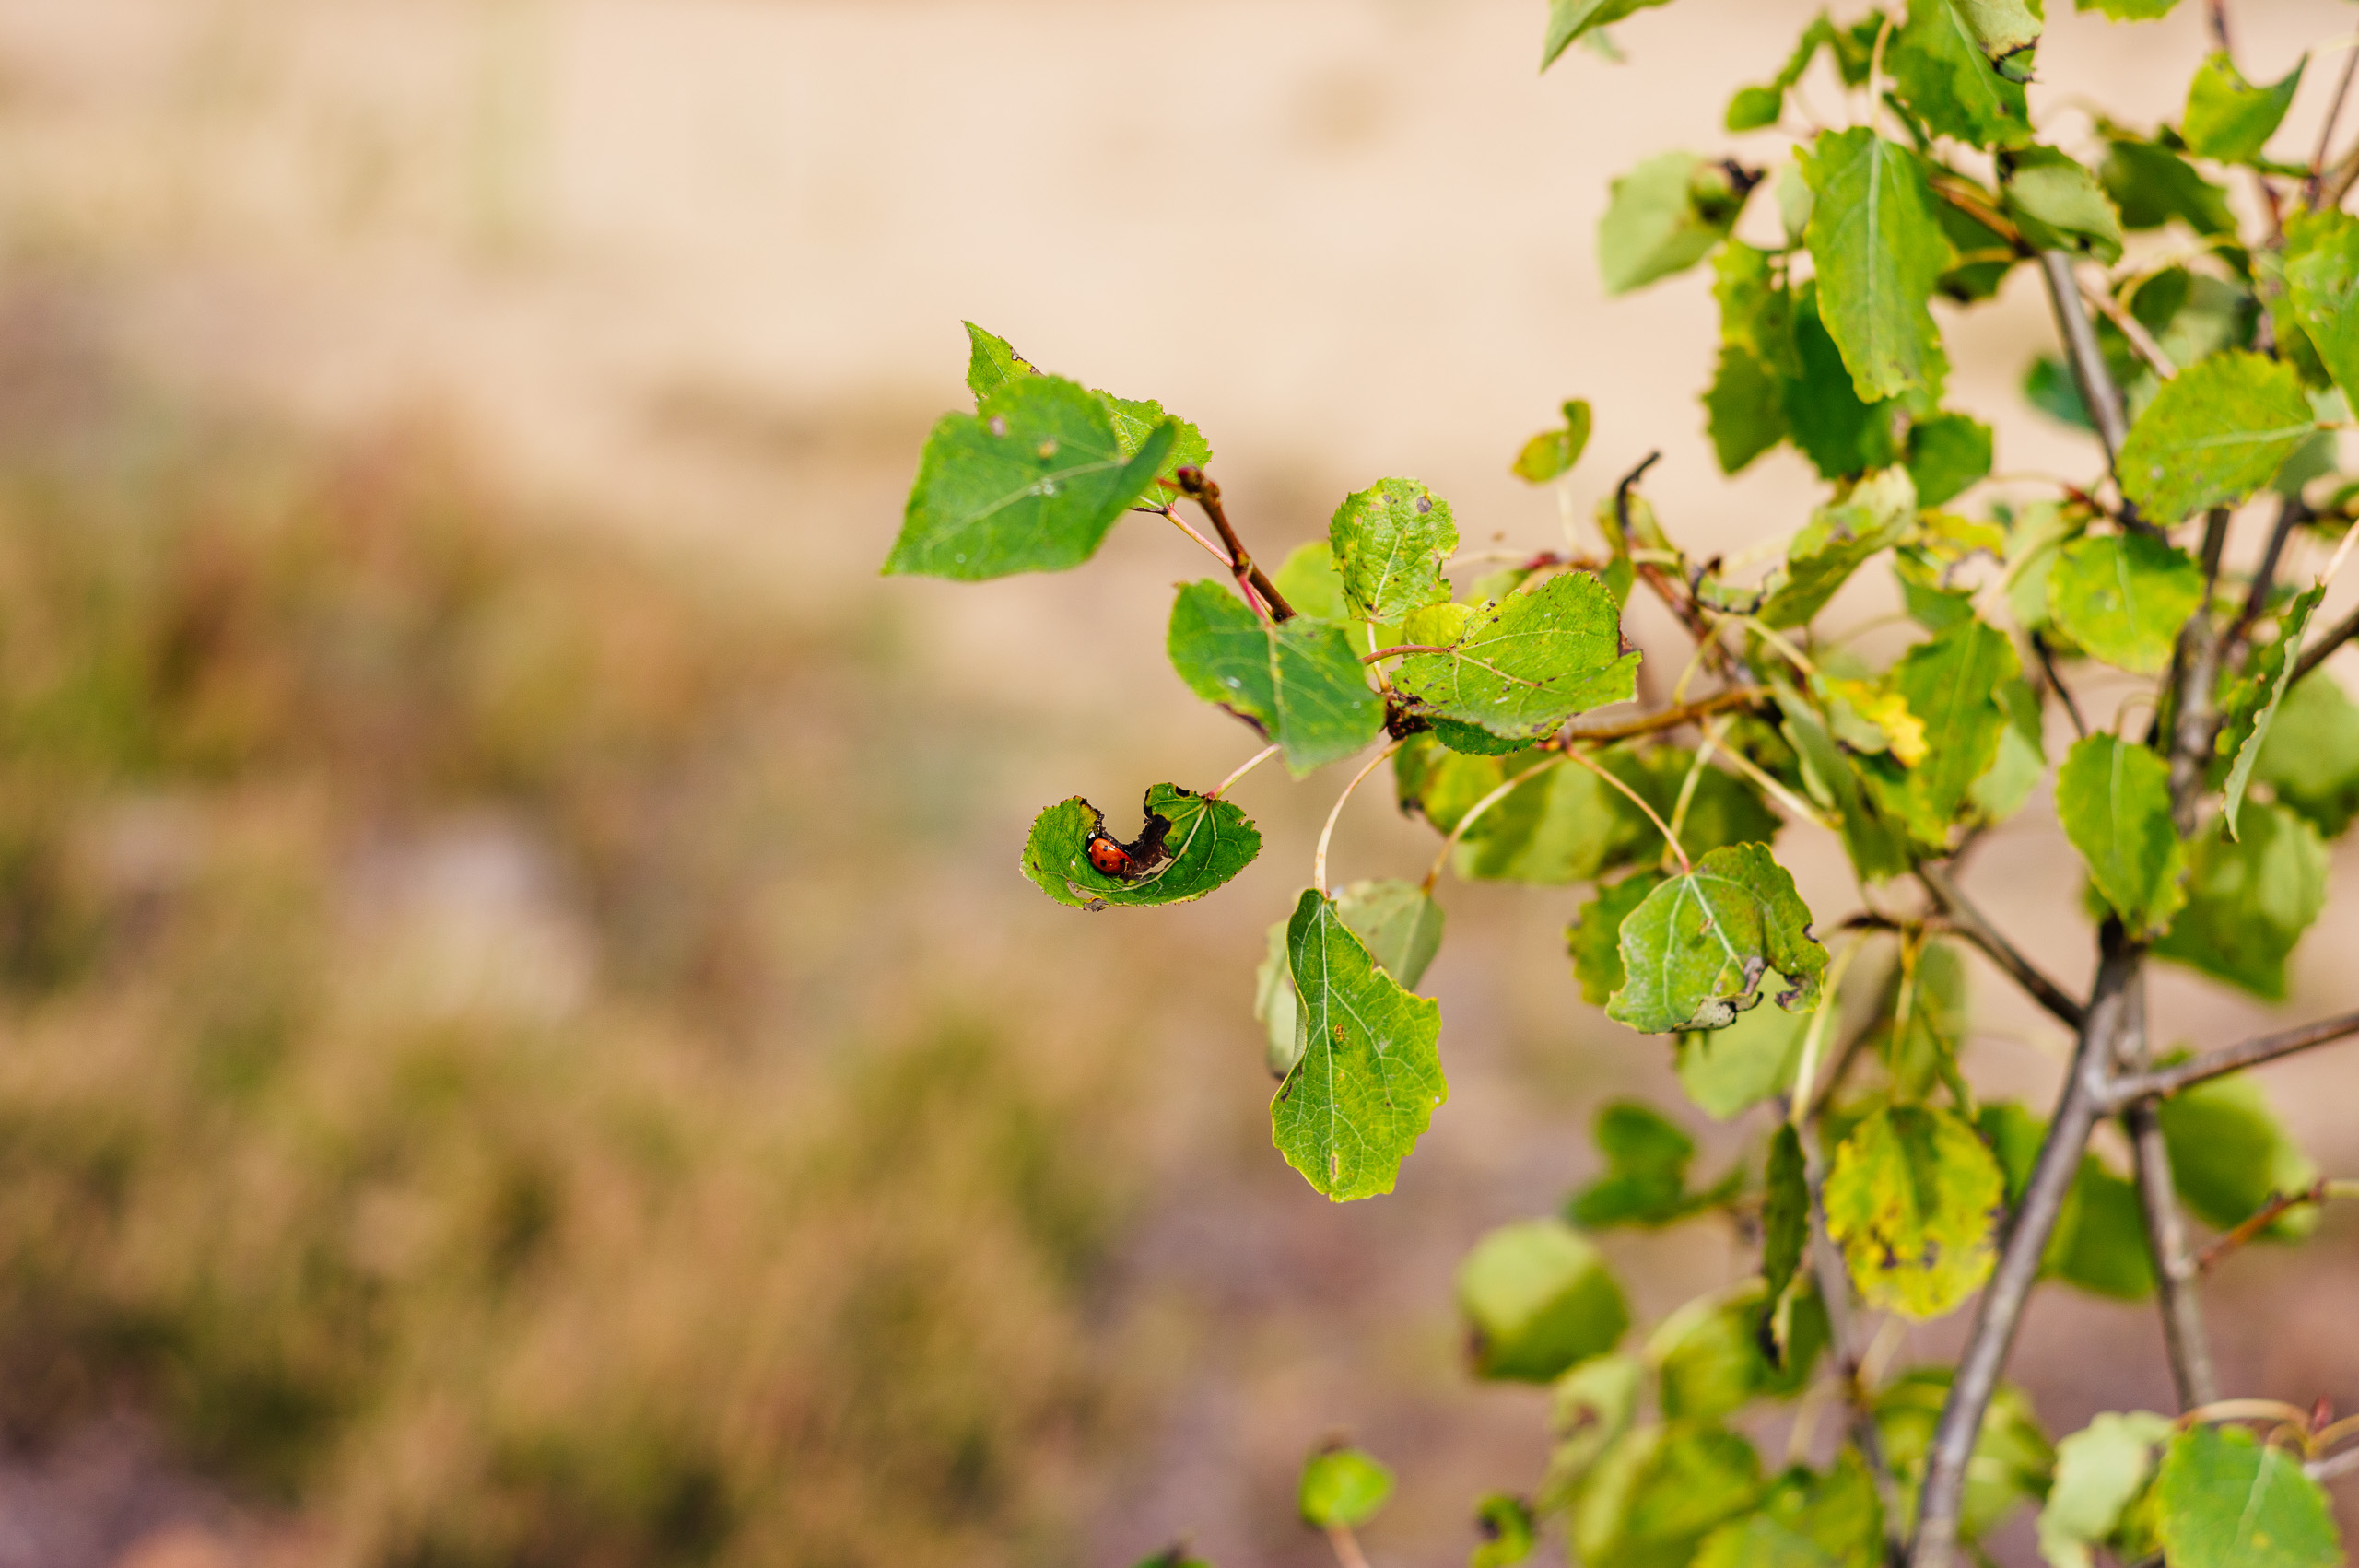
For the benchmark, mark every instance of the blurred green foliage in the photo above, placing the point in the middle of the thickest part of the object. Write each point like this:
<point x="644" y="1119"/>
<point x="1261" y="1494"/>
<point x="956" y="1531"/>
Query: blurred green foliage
<point x="414" y="1084"/>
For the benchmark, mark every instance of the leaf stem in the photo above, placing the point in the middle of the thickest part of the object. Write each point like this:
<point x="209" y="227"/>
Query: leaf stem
<point x="1318" y="862"/>
<point x="1820" y="1019"/>
<point x="1686" y="866"/>
<point x="2279" y="1204"/>
<point x="1215" y="551"/>
<point x="1248" y="766"/>
<point x="1399" y="648"/>
<point x="1476" y="810"/>
<point x="1665" y="718"/>
<point x="2056" y="683"/>
<point x="1347" y="1546"/>
<point x="1779" y="793"/>
<point x="2133" y="329"/>
<point x="1976" y="926"/>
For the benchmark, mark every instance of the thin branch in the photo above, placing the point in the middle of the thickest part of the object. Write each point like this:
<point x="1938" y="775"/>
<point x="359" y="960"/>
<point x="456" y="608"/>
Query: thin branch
<point x="2325" y="128"/>
<point x="2163" y="1083"/>
<point x="2186" y="1346"/>
<point x="2279" y="1204"/>
<point x="2098" y="394"/>
<point x="1347" y="1547"/>
<point x="1974" y="927"/>
<point x="1998" y="1313"/>
<point x="2290" y="514"/>
<point x="2195" y="667"/>
<point x="2134" y="330"/>
<point x="1668" y="718"/>
<point x="2056" y="683"/>
<point x="2319" y="651"/>
<point x="2339" y="179"/>
<point x="1199" y="488"/>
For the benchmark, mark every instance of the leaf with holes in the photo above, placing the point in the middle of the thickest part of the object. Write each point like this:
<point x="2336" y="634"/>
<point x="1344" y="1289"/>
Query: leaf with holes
<point x="1523" y="666"/>
<point x="1694" y="953"/>
<point x="1192" y="846"/>
<point x="1371" y="1075"/>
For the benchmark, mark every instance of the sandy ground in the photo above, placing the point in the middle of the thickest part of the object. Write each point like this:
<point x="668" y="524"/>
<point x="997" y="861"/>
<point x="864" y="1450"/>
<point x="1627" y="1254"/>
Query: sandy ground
<point x="696" y="267"/>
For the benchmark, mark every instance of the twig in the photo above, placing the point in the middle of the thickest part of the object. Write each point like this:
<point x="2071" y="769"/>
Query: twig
<point x="2134" y="330"/>
<point x="2325" y="127"/>
<point x="1215" y="551"/>
<point x="1668" y="719"/>
<point x="2290" y="514"/>
<point x="2000" y="1311"/>
<point x="2332" y="1464"/>
<point x="2056" y="683"/>
<point x="2196" y="667"/>
<point x="1318" y="862"/>
<point x="2185" y="1347"/>
<point x="1199" y="488"/>
<point x="2163" y="1083"/>
<point x="1248" y="766"/>
<point x="2098" y="394"/>
<point x="2320" y="649"/>
<point x="2279" y="1204"/>
<point x="1974" y="927"/>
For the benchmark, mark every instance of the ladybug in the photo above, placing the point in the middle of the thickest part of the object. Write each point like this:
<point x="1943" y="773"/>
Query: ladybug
<point x="1109" y="858"/>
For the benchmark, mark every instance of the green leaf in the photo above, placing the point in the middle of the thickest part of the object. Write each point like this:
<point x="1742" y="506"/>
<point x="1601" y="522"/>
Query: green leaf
<point x="2124" y="597"/>
<point x="1538" y="1299"/>
<point x="1594" y="939"/>
<point x="1568" y="19"/>
<point x="2227" y="1502"/>
<point x="1712" y="1359"/>
<point x="2151" y="184"/>
<point x="1940" y="71"/>
<point x="2216" y="432"/>
<point x="1030" y="483"/>
<point x="1176" y="1555"/>
<point x="1877" y="849"/>
<point x="1311" y="584"/>
<point x="1341" y="1487"/>
<point x="1744" y="409"/>
<point x="2322" y="280"/>
<point x="2012" y="1460"/>
<point x="1785" y="1211"/>
<point x="1927" y="1028"/>
<point x="1695" y="951"/>
<point x="2022" y="762"/>
<point x="2099" y="1471"/>
<point x="1370" y="1078"/>
<point x="1190" y="846"/>
<point x="1756" y="313"/>
<point x="1952" y="684"/>
<point x="1390" y="543"/>
<point x="1398" y="922"/>
<point x="1842" y="436"/>
<point x="1879" y="250"/>
<point x="992" y="364"/>
<point x="2099" y="1243"/>
<point x="2230" y="1155"/>
<point x="1985" y="256"/>
<point x="2059" y="206"/>
<point x="2008" y="30"/>
<point x="1567" y="825"/>
<point x="1731" y="1070"/>
<point x="1508" y="1531"/>
<point x="2128" y="11"/>
<point x="1909" y="1199"/>
<point x="1754" y="107"/>
<point x="2249" y="899"/>
<point x="2114" y="801"/>
<point x="1662" y="217"/>
<point x="1947" y="453"/>
<point x="1836" y="541"/>
<point x="1646" y="1170"/>
<point x="2287" y="652"/>
<point x="1553" y="452"/>
<point x="2310" y="760"/>
<point x="1807" y="1521"/>
<point x="1297" y="683"/>
<point x="1525" y="665"/>
<point x="1590" y="1410"/>
<point x="1659" y="1491"/>
<point x="2228" y="118"/>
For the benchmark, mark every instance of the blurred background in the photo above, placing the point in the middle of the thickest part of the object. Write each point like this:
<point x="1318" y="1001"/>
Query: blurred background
<point x="523" y="1041"/>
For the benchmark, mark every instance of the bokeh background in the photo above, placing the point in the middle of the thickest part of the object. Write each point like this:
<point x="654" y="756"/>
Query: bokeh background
<point x="522" y="1037"/>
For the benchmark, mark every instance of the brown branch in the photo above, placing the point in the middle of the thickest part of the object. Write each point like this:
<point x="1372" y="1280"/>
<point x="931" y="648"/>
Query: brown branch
<point x="2279" y="1204"/>
<point x="2185" y="1347"/>
<point x="1251" y="580"/>
<point x="2325" y="127"/>
<point x="1998" y="1312"/>
<point x="1668" y="719"/>
<point x="1974" y="927"/>
<point x="2056" y="683"/>
<point x="2320" y="649"/>
<point x="2098" y="394"/>
<point x="2339" y="179"/>
<point x="2163" y="1083"/>
<point x="2290" y="514"/>
<point x="2195" y="668"/>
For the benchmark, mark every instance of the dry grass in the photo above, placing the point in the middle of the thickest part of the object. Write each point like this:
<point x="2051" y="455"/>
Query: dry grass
<point x="410" y="1086"/>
